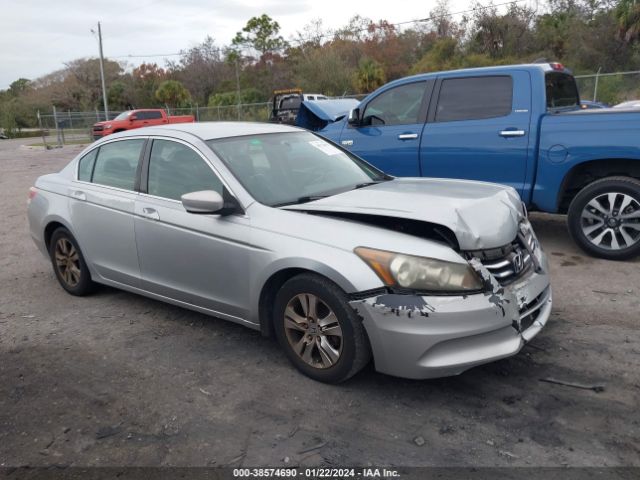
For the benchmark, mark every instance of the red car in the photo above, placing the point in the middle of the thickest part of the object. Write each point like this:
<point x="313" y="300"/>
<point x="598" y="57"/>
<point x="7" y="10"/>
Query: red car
<point x="137" y="119"/>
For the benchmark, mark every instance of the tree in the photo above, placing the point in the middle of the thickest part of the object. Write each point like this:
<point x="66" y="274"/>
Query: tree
<point x="173" y="94"/>
<point x="19" y="87"/>
<point x="627" y="14"/>
<point x="369" y="76"/>
<point x="505" y="35"/>
<point x="120" y="95"/>
<point x="202" y="70"/>
<point x="261" y="34"/>
<point x="146" y="79"/>
<point x="323" y="70"/>
<point x="86" y="73"/>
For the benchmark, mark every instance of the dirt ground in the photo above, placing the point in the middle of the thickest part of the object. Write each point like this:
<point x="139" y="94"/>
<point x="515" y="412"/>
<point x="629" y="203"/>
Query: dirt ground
<point x="118" y="379"/>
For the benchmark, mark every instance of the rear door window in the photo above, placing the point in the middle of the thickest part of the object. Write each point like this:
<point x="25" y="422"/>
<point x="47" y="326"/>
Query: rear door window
<point x="176" y="169"/>
<point x="474" y="98"/>
<point x="85" y="167"/>
<point x="117" y="163"/>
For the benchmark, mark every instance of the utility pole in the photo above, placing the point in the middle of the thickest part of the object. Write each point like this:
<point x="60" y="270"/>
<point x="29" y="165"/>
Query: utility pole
<point x="104" y="87"/>
<point x="238" y="86"/>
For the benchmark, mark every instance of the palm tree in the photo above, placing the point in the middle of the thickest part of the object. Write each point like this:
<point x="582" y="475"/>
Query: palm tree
<point x="627" y="14"/>
<point x="370" y="75"/>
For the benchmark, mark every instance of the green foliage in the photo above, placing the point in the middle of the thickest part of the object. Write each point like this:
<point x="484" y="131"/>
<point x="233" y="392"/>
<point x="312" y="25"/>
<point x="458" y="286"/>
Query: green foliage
<point x="323" y="70"/>
<point x="173" y="94"/>
<point x="369" y="76"/>
<point x="119" y="96"/>
<point x="261" y="34"/>
<point x="14" y="116"/>
<point x="248" y="95"/>
<point x="627" y="14"/>
<point x="19" y="87"/>
<point x="445" y="54"/>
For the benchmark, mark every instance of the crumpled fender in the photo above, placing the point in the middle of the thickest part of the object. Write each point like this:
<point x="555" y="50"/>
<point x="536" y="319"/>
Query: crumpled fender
<point x="316" y="114"/>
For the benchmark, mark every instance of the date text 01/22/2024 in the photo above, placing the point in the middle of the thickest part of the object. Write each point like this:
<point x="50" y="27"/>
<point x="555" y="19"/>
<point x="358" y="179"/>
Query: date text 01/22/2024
<point x="315" y="473"/>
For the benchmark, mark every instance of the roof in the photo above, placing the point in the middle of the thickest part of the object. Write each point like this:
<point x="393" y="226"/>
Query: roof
<point x="213" y="130"/>
<point x="498" y="69"/>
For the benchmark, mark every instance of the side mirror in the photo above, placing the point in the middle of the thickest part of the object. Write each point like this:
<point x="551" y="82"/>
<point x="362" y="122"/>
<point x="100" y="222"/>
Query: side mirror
<point x="354" y="117"/>
<point x="133" y="117"/>
<point x="203" y="202"/>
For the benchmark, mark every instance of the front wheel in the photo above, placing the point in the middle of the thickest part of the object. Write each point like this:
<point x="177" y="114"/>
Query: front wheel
<point x="320" y="333"/>
<point x="604" y="218"/>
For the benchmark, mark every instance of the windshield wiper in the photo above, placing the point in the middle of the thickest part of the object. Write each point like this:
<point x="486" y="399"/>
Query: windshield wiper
<point x="367" y="184"/>
<point x="299" y="200"/>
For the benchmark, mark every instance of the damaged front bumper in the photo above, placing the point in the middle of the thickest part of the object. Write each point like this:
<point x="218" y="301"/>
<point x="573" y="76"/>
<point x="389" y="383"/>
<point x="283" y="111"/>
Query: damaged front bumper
<point x="421" y="337"/>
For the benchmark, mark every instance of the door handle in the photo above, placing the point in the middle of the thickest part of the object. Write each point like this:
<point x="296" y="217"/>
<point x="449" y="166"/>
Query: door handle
<point x="512" y="133"/>
<point x="79" y="195"/>
<point x="407" y="136"/>
<point x="150" y="213"/>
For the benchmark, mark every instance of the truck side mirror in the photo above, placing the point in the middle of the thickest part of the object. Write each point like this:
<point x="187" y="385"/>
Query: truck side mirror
<point x="354" y="116"/>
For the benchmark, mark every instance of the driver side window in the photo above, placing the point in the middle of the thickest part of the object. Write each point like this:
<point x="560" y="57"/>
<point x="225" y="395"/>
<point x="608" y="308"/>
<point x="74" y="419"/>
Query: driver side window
<point x="397" y="106"/>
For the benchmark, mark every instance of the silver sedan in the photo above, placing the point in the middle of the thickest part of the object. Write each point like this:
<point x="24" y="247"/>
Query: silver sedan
<point x="282" y="231"/>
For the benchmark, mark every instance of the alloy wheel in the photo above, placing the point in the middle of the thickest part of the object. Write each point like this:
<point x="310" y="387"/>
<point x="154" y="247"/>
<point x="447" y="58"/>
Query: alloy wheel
<point x="313" y="331"/>
<point x="67" y="262"/>
<point x="612" y="221"/>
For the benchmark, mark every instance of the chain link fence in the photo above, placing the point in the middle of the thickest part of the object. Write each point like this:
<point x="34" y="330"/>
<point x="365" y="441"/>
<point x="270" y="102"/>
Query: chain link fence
<point x="58" y="128"/>
<point x="609" y="88"/>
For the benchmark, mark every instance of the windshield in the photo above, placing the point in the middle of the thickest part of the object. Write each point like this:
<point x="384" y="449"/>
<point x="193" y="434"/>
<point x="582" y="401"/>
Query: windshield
<point x="293" y="167"/>
<point x="123" y="116"/>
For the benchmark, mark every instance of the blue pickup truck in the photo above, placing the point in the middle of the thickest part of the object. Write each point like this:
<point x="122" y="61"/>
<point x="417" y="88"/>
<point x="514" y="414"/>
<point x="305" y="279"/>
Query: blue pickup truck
<point x="518" y="125"/>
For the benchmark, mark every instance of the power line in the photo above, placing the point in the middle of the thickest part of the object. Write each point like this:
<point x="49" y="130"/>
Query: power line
<point x="329" y="34"/>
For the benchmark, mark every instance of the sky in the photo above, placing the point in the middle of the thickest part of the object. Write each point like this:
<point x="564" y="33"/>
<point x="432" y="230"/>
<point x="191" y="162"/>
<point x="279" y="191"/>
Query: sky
<point x="37" y="37"/>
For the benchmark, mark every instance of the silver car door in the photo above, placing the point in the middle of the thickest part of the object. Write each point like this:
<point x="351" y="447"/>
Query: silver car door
<point x="102" y="202"/>
<point x="202" y="260"/>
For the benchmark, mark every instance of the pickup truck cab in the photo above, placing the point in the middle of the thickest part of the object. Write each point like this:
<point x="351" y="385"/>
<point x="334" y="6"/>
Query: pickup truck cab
<point x="518" y="125"/>
<point x="137" y="119"/>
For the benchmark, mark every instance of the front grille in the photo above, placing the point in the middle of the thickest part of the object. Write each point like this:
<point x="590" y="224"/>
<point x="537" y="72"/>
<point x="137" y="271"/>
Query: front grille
<point x="510" y="262"/>
<point x="98" y="128"/>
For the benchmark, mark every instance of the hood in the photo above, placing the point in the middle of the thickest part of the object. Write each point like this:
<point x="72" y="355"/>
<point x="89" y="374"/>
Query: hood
<point x="317" y="114"/>
<point x="480" y="215"/>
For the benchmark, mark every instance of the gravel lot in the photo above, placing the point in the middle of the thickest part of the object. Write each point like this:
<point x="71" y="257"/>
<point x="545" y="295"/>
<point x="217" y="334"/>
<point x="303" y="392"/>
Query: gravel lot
<point x="118" y="379"/>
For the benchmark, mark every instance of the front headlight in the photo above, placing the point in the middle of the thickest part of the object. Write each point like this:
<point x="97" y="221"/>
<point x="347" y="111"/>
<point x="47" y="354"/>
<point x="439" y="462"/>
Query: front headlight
<point x="420" y="273"/>
<point x="108" y="126"/>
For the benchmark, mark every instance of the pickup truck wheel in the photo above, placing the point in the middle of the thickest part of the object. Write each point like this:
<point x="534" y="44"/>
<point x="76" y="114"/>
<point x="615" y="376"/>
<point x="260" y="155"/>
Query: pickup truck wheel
<point x="319" y="331"/>
<point x="604" y="218"/>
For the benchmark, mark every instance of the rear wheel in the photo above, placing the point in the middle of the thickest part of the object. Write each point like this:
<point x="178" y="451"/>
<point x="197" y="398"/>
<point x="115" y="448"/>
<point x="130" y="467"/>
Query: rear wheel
<point x="604" y="218"/>
<point x="320" y="333"/>
<point x="68" y="263"/>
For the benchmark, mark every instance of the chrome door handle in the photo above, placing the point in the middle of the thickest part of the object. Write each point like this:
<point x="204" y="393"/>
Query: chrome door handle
<point x="150" y="213"/>
<point x="79" y="195"/>
<point x="512" y="133"/>
<point x="407" y="136"/>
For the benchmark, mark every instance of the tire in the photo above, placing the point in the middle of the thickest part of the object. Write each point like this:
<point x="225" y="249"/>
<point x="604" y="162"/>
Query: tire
<point x="604" y="230"/>
<point x="68" y="263"/>
<point x="352" y="344"/>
